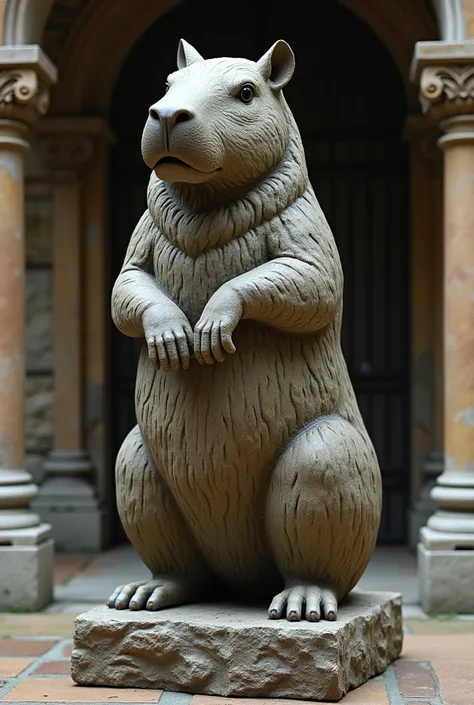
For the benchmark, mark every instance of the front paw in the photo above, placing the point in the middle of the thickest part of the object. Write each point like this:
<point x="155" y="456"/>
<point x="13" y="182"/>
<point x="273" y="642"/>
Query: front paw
<point x="169" y="341"/>
<point x="213" y="331"/>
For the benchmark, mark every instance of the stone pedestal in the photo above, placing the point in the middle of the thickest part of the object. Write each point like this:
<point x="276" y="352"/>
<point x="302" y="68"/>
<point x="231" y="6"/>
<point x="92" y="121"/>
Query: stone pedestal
<point x="26" y="560"/>
<point x="231" y="650"/>
<point x="446" y="569"/>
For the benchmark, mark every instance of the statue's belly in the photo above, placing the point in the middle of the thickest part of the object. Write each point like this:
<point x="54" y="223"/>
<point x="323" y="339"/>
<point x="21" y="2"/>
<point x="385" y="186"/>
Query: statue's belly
<point x="215" y="432"/>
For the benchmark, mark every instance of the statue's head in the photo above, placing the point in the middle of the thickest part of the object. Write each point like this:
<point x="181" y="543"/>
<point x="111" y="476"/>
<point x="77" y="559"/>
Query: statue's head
<point x="220" y="120"/>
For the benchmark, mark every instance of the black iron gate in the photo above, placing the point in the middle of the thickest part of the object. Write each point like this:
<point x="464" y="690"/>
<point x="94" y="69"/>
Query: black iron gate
<point x="362" y="187"/>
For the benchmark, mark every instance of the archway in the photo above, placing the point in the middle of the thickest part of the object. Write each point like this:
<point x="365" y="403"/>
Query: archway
<point x="352" y="129"/>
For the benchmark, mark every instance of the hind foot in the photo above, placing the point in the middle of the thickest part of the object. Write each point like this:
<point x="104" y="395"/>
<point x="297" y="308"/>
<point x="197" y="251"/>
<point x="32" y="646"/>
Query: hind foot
<point x="152" y="594"/>
<point x="304" y="600"/>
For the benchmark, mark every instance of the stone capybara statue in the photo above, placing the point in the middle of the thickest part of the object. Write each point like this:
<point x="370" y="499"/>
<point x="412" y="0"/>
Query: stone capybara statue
<point x="250" y="468"/>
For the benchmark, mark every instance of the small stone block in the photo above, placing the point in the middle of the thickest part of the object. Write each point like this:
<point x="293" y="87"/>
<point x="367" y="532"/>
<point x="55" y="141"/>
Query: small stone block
<point x="235" y="650"/>
<point x="27" y="575"/>
<point x="446" y="580"/>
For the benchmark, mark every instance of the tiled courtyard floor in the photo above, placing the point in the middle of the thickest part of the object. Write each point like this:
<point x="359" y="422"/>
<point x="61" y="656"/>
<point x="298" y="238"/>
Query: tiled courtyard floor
<point x="437" y="666"/>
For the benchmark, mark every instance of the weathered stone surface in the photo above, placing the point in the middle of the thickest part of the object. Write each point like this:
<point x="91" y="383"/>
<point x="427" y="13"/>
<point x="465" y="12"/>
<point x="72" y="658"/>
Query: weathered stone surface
<point x="235" y="650"/>
<point x="39" y="414"/>
<point x="39" y="321"/>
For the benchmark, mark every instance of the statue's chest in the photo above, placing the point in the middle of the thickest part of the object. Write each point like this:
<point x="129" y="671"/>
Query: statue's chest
<point x="190" y="281"/>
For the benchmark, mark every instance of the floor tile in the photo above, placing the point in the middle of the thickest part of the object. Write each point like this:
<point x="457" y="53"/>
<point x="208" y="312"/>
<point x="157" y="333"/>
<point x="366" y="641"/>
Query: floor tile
<point x="53" y="668"/>
<point x="60" y="625"/>
<point x="371" y="693"/>
<point x="415" y="680"/>
<point x="440" y="626"/>
<point x="12" y="667"/>
<point x="25" y="647"/>
<point x="64" y="690"/>
<point x="67" y="565"/>
<point x="452" y="659"/>
<point x="368" y="694"/>
<point x="67" y="651"/>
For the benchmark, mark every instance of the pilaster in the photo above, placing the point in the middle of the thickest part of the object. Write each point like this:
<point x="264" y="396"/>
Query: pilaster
<point x="68" y="497"/>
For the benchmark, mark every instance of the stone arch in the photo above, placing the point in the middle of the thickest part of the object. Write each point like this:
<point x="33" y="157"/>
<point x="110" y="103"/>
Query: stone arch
<point x="25" y="20"/>
<point x="451" y="19"/>
<point x="90" y="40"/>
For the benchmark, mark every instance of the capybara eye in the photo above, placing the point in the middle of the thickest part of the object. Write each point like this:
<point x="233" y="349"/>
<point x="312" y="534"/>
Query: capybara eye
<point x="246" y="93"/>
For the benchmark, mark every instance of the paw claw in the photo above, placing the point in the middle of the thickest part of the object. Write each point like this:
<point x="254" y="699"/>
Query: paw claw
<point x="150" y="594"/>
<point x="304" y="601"/>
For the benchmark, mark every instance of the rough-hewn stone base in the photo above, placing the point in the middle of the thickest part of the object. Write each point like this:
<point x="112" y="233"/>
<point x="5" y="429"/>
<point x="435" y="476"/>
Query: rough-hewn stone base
<point x="235" y="650"/>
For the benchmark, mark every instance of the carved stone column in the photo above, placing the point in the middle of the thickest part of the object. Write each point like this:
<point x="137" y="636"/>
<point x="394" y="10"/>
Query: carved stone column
<point x="26" y="547"/>
<point x="68" y="499"/>
<point x="445" y="73"/>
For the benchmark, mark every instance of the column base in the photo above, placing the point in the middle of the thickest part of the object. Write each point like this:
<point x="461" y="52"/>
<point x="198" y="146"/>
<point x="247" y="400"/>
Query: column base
<point x="69" y="503"/>
<point x="75" y="528"/>
<point x="446" y="572"/>
<point x="418" y="517"/>
<point x="425" y="506"/>
<point x="26" y="559"/>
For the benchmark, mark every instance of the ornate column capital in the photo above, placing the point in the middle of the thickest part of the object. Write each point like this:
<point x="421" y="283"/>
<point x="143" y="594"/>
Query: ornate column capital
<point x="26" y="74"/>
<point x="446" y="91"/>
<point x="444" y="73"/>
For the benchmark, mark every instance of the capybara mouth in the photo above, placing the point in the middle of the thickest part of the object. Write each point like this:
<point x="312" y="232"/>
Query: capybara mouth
<point x="171" y="160"/>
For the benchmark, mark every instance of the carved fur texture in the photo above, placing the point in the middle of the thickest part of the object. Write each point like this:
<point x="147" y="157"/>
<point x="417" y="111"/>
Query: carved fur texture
<point x="250" y="466"/>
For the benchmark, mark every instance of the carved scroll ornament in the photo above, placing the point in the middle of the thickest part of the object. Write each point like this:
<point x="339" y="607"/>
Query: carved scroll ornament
<point x="447" y="90"/>
<point x="22" y="95"/>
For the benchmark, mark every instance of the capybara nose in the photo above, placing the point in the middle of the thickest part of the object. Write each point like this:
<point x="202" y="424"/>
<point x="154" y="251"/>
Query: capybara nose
<point x="168" y="116"/>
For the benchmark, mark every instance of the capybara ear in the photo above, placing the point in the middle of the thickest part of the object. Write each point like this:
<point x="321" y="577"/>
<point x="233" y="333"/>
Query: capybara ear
<point x="278" y="65"/>
<point x="187" y="54"/>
